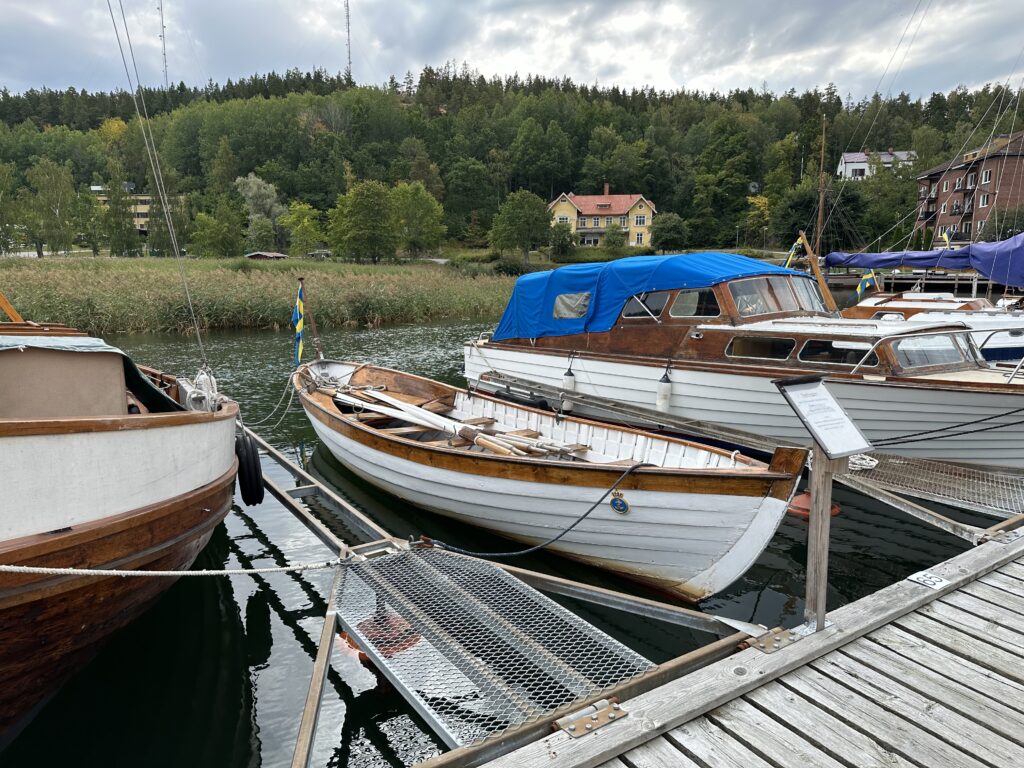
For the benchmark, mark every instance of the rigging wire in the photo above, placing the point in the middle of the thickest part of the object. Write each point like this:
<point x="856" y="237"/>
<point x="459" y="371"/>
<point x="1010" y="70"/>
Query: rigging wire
<point x="148" y="140"/>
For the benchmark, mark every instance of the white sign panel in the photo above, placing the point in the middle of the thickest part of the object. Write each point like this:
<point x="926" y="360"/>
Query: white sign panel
<point x="823" y="416"/>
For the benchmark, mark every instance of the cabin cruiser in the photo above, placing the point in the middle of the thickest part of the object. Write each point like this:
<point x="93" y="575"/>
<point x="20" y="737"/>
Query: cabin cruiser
<point x="704" y="336"/>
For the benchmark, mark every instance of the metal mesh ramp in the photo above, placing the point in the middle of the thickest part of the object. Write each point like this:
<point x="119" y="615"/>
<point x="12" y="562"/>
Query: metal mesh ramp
<point x="474" y="650"/>
<point x="978" y="490"/>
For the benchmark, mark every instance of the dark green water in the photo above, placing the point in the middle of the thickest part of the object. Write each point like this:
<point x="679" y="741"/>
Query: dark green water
<point x="216" y="673"/>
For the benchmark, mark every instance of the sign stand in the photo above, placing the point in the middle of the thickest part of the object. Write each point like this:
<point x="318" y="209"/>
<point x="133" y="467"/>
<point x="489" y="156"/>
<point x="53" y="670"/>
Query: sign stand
<point x="835" y="438"/>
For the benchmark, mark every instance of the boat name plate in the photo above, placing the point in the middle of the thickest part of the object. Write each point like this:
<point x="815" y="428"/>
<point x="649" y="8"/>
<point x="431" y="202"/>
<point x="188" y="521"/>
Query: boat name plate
<point x="589" y="719"/>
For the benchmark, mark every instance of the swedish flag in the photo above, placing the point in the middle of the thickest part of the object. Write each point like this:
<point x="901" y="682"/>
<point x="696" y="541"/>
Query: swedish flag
<point x="869" y="280"/>
<point x="298" y="315"/>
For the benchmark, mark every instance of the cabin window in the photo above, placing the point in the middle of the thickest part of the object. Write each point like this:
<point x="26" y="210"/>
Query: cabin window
<point x="571" y="306"/>
<point x="888" y="314"/>
<point x="700" y="303"/>
<point x="918" y="351"/>
<point x="837" y="352"/>
<point x="646" y="304"/>
<point x="808" y="295"/>
<point x="765" y="347"/>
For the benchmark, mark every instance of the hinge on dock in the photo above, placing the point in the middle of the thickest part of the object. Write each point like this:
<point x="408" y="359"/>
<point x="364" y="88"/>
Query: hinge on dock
<point x="773" y="640"/>
<point x="591" y="718"/>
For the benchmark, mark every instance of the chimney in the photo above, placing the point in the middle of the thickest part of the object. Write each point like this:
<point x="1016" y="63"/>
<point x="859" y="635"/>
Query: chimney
<point x="606" y="187"/>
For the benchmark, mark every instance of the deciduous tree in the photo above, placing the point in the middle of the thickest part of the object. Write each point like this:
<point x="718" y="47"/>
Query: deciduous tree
<point x="523" y="221"/>
<point x="420" y="218"/>
<point x="363" y="224"/>
<point x="669" y="232"/>
<point x="304" y="232"/>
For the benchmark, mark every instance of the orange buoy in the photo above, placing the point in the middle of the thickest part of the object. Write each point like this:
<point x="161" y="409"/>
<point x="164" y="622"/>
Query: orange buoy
<point x="390" y="635"/>
<point x="800" y="506"/>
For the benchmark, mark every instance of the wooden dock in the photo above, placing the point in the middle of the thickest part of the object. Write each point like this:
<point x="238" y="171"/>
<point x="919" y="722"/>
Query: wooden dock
<point x="923" y="673"/>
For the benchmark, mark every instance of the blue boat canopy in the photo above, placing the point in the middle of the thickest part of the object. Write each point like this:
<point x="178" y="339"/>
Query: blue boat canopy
<point x="1001" y="262"/>
<point x="590" y="297"/>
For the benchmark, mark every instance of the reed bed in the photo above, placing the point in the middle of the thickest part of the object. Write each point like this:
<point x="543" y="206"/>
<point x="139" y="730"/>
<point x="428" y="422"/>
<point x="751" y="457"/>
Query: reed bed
<point x="114" y="295"/>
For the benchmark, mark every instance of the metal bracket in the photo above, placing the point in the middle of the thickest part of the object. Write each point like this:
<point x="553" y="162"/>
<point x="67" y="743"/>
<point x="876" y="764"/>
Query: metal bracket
<point x="774" y="640"/>
<point x="589" y="719"/>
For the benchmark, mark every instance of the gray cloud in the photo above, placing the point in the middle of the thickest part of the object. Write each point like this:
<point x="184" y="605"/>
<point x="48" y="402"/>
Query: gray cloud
<point x="693" y="44"/>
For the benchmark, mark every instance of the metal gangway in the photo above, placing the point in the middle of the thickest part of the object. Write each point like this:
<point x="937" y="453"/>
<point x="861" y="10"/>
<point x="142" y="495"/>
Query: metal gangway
<point x="476" y="648"/>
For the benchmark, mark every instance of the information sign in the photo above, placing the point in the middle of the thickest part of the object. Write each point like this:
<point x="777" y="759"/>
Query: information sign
<point x="823" y="416"/>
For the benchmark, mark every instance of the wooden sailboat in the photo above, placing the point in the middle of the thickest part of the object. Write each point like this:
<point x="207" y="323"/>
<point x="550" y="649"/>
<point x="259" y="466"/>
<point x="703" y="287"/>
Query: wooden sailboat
<point x="692" y="522"/>
<point x="103" y="468"/>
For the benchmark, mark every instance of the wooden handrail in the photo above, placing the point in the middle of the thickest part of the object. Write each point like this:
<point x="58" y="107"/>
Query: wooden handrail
<point x="9" y="309"/>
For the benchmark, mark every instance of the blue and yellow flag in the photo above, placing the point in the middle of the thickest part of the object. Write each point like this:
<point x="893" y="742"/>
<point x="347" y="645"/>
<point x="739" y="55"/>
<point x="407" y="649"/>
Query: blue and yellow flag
<point x="945" y="236"/>
<point x="297" y="321"/>
<point x="869" y="280"/>
<point x="792" y="254"/>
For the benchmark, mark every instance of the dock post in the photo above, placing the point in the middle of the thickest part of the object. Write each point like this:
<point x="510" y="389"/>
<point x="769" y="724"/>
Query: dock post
<point x="822" y="470"/>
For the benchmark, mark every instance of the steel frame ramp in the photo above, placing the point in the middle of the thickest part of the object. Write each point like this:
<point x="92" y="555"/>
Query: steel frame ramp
<point x="474" y="650"/>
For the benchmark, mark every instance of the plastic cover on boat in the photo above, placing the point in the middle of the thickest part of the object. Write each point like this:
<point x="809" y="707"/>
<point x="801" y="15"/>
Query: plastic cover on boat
<point x="590" y="297"/>
<point x="1001" y="262"/>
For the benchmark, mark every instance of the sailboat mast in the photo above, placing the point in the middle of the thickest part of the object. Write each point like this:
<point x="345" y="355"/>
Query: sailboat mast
<point x="821" y="193"/>
<point x="163" y="42"/>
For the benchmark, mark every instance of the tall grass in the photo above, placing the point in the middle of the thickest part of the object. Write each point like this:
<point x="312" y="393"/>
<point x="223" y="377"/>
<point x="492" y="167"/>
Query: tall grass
<point x="113" y="295"/>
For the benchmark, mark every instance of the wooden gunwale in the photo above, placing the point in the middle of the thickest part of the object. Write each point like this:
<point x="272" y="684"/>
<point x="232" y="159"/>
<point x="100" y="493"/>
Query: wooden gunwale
<point x="752" y="481"/>
<point x="913" y="382"/>
<point x="25" y="427"/>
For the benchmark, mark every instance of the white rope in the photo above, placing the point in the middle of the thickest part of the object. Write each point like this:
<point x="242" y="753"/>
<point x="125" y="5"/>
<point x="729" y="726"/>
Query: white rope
<point x="43" y="571"/>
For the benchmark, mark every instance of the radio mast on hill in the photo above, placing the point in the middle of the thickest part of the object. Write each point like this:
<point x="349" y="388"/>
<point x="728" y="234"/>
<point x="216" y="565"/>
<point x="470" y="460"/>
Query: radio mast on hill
<point x="163" y="40"/>
<point x="348" y="37"/>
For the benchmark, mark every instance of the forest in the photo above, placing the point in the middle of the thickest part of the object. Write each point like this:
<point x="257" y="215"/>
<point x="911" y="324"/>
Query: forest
<point x="299" y="160"/>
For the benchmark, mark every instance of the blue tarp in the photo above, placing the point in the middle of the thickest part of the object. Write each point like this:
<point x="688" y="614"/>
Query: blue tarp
<point x="1001" y="262"/>
<point x="530" y="310"/>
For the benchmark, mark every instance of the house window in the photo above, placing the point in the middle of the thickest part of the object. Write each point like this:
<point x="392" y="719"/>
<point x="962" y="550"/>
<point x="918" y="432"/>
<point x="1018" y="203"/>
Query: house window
<point x="945" y="186"/>
<point x="640" y="207"/>
<point x="623" y="221"/>
<point x="639" y="238"/>
<point x="646" y="304"/>
<point x="981" y="226"/>
<point x="931" y="190"/>
<point x="597" y="221"/>
<point x="943" y="209"/>
<point x="959" y="183"/>
<point x="563" y="219"/>
<point x="951" y="229"/>
<point x="967" y="229"/>
<point x="640" y="220"/>
<point x="607" y="221"/>
<point x="858" y="173"/>
<point x="581" y="223"/>
<point x="972" y="179"/>
<point x="984" y="201"/>
<point x="986" y="176"/>
<point x="571" y="306"/>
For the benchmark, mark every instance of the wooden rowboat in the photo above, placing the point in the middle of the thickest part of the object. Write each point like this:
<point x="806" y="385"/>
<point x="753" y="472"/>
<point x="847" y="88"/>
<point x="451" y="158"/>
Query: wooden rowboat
<point x="103" y="469"/>
<point x="691" y="524"/>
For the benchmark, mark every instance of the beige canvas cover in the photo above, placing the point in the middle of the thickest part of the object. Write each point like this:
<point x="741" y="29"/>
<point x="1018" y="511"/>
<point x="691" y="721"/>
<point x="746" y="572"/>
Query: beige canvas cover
<point x="58" y="384"/>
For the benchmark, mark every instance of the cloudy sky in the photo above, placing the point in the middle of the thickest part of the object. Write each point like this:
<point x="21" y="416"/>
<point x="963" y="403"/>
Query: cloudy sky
<point x="695" y="44"/>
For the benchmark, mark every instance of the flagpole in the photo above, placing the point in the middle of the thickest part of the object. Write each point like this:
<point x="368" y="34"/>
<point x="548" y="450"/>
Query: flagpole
<point x="308" y="310"/>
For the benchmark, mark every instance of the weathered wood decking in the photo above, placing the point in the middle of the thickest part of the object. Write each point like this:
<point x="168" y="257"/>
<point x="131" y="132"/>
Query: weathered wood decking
<point x="908" y="676"/>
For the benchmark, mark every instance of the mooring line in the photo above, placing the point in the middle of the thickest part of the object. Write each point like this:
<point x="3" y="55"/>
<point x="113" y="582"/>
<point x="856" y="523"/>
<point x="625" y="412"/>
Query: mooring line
<point x="45" y="571"/>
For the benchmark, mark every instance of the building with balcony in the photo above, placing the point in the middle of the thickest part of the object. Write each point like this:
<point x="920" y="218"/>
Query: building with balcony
<point x="860" y="165"/>
<point x="960" y="195"/>
<point x="140" y="205"/>
<point x="591" y="215"/>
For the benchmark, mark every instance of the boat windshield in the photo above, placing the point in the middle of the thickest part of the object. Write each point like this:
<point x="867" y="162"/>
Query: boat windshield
<point x="939" y="349"/>
<point x="776" y="293"/>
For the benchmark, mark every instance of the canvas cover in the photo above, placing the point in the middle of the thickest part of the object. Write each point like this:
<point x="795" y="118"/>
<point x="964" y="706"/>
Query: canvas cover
<point x="552" y="303"/>
<point x="1001" y="262"/>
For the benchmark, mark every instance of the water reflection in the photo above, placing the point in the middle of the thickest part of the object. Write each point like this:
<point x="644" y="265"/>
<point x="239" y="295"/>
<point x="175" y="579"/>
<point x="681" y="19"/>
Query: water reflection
<point x="216" y="673"/>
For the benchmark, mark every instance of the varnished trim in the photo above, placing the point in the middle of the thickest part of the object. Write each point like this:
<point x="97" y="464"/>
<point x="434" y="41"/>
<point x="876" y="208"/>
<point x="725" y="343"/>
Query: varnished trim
<point x="752" y="481"/>
<point x="24" y="427"/>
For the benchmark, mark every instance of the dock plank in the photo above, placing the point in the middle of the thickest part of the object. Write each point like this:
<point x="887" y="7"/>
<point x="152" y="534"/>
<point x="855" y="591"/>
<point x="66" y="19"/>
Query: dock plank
<point x="824" y="729"/>
<point x="709" y="744"/>
<point x="1006" y="583"/>
<point x="657" y="753"/>
<point x="894" y="732"/>
<point x="1016" y="570"/>
<point x="956" y="694"/>
<point x="995" y="596"/>
<point x="929" y="714"/>
<point x="978" y="626"/>
<point x="978" y="651"/>
<point x="997" y="613"/>
<point x="769" y="737"/>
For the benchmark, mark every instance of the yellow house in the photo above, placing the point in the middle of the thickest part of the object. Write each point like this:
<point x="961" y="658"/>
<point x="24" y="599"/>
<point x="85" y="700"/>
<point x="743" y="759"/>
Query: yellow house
<point x="591" y="215"/>
<point x="140" y="205"/>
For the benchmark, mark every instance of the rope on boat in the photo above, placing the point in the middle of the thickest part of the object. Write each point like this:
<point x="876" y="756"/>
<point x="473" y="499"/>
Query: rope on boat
<point x="45" y="571"/>
<point x="442" y="545"/>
